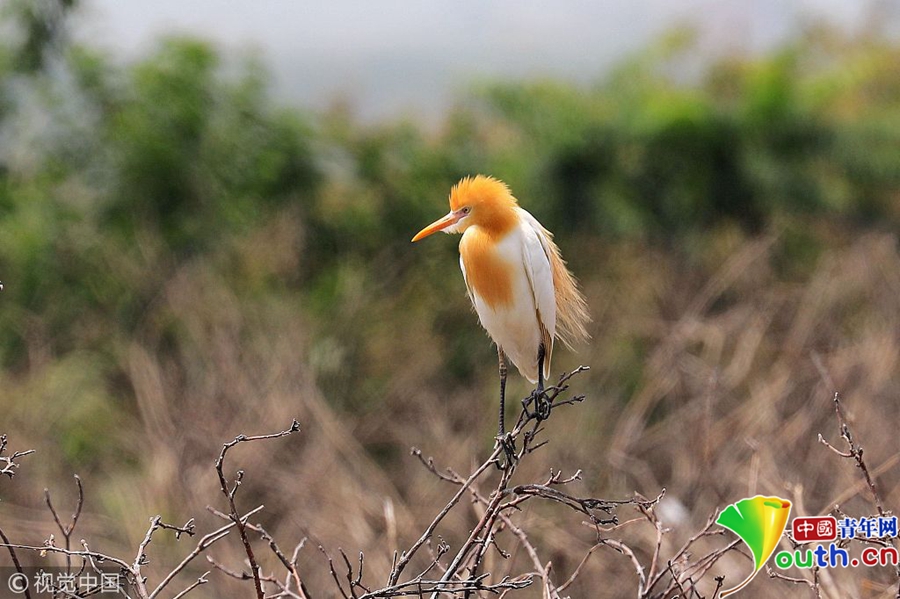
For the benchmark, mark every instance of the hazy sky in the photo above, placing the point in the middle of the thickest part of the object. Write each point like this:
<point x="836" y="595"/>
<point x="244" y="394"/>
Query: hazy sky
<point x="394" y="57"/>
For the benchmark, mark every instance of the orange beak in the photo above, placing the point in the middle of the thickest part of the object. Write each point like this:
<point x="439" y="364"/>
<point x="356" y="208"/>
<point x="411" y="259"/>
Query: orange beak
<point x="439" y="225"/>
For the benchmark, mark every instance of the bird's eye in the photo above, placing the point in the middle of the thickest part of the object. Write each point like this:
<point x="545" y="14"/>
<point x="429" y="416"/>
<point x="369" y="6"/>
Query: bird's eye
<point x="466" y="210"/>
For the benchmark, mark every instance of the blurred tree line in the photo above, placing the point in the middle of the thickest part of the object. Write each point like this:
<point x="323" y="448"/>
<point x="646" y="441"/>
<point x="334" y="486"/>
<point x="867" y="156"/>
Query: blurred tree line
<point x="114" y="178"/>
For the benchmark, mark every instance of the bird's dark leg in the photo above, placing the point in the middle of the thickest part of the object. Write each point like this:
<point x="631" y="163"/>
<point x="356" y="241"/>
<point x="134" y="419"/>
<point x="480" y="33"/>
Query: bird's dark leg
<point x="502" y="357"/>
<point x="503" y="439"/>
<point x="541" y="352"/>
<point x="541" y="403"/>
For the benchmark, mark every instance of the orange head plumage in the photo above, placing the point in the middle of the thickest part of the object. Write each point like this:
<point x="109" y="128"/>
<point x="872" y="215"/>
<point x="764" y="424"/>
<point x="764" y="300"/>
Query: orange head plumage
<point x="478" y="200"/>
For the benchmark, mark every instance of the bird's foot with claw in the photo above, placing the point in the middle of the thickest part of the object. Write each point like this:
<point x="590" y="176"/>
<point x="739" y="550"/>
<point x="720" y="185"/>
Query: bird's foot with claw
<point x="542" y="405"/>
<point x="508" y="458"/>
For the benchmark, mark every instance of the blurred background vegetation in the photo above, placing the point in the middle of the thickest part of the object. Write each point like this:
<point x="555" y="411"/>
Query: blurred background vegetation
<point x="184" y="258"/>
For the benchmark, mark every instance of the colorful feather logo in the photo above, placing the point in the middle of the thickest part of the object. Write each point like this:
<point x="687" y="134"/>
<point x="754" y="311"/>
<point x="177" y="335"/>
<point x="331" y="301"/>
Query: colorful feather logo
<point x="759" y="522"/>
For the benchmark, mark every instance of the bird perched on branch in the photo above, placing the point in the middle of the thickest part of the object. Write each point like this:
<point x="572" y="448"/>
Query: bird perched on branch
<point x="523" y="293"/>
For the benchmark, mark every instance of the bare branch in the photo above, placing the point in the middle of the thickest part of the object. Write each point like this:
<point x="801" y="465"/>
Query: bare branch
<point x="812" y="584"/>
<point x="8" y="464"/>
<point x="202" y="546"/>
<point x="201" y="580"/>
<point x="67" y="529"/>
<point x="12" y="553"/>
<point x="855" y="451"/>
<point x="406" y="556"/>
<point x="230" y="493"/>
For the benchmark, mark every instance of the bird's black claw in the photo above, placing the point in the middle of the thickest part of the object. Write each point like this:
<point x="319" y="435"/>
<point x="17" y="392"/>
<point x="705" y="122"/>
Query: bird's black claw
<point x="542" y="405"/>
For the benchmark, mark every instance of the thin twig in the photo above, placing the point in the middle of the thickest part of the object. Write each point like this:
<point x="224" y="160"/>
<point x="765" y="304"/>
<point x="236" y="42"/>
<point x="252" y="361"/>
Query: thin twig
<point x="12" y="553"/>
<point x="855" y="451"/>
<point x="201" y="580"/>
<point x="202" y="545"/>
<point x="230" y="493"/>
<point x="810" y="583"/>
<point x="406" y="556"/>
<point x="9" y="465"/>
<point x="67" y="529"/>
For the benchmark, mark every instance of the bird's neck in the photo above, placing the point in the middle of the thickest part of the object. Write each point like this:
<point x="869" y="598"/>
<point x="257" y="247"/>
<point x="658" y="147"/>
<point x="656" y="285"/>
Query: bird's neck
<point x="487" y="269"/>
<point x="497" y="222"/>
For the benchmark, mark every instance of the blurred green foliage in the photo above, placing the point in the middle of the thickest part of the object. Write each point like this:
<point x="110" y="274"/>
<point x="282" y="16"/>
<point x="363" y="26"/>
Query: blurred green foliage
<point x="115" y="178"/>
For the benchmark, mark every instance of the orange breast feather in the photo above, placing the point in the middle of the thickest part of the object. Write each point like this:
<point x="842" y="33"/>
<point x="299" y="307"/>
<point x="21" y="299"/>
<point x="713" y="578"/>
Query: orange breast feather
<point x="487" y="273"/>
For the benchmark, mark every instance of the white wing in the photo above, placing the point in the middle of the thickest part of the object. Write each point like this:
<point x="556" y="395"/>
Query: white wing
<point x="462" y="267"/>
<point x="536" y="257"/>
